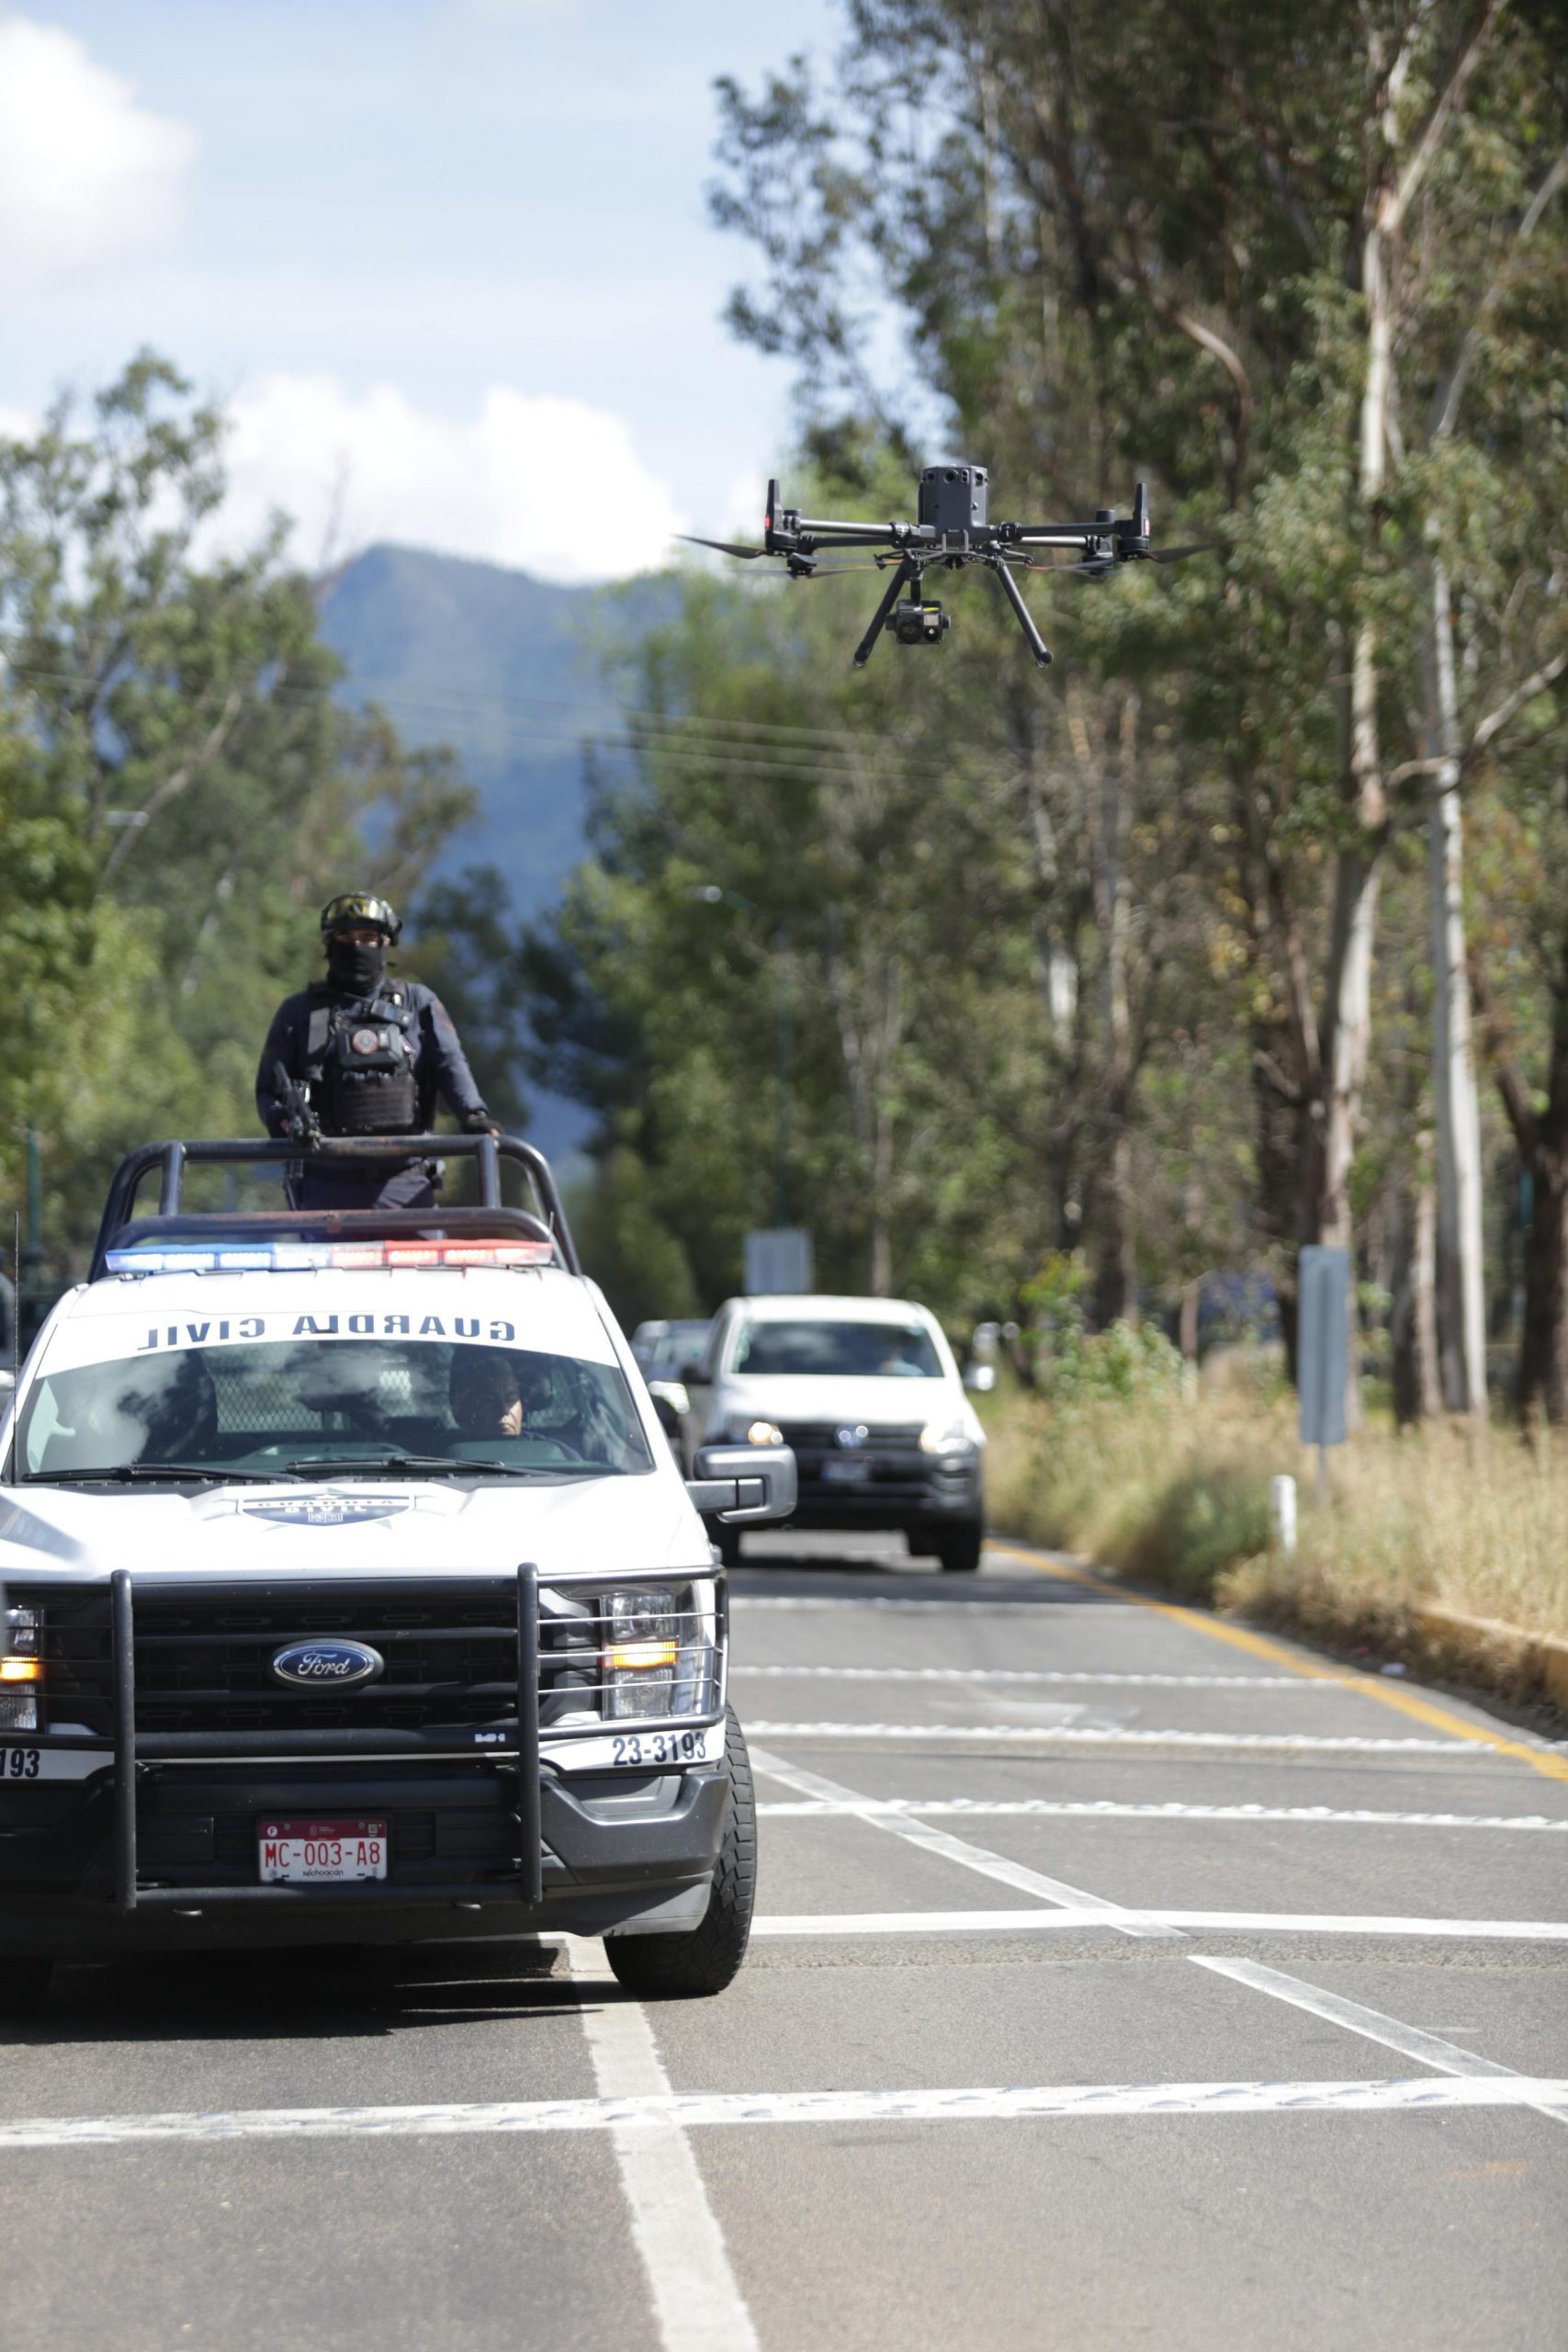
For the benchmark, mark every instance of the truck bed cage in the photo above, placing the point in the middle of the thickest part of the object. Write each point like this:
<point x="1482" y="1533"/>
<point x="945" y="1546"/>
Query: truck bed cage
<point x="121" y="1228"/>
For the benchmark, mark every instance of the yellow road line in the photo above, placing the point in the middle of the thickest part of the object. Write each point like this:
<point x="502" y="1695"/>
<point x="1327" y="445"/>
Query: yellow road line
<point x="1240" y="1637"/>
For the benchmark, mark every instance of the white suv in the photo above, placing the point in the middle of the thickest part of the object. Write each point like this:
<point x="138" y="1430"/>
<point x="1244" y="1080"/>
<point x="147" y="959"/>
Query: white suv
<point x="866" y="1392"/>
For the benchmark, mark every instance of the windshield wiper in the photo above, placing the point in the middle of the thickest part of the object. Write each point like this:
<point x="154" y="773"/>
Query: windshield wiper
<point x="431" y="1466"/>
<point x="122" y="1473"/>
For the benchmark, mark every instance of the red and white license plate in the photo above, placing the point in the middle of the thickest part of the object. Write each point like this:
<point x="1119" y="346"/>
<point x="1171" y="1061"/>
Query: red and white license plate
<point x="321" y="1853"/>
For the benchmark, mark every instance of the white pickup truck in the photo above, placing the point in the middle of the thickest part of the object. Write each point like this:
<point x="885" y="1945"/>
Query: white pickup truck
<point x="348" y="1591"/>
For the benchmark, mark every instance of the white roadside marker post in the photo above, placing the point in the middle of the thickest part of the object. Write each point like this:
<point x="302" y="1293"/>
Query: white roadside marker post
<point x="1282" y="1513"/>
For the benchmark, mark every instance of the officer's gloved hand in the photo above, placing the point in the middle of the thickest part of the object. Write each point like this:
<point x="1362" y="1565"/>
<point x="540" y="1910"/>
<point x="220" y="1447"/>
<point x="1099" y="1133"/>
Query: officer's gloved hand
<point x="478" y="1122"/>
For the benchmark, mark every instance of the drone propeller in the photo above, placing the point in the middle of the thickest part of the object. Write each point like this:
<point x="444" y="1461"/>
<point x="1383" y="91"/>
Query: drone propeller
<point x="1174" y="555"/>
<point x="723" y="547"/>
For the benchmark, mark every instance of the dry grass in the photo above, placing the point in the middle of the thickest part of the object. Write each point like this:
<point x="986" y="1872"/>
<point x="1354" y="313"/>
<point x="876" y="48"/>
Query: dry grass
<point x="1175" y="1491"/>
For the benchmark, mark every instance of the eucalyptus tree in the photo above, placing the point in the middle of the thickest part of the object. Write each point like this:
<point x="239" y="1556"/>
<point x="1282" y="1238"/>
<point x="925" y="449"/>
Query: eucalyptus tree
<point x="1252" y="253"/>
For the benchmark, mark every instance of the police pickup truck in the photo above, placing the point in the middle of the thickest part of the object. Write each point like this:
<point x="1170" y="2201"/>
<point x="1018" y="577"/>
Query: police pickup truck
<point x="349" y="1592"/>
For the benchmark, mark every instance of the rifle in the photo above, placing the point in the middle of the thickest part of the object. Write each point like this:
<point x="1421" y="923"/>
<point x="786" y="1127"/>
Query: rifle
<point x="303" y="1124"/>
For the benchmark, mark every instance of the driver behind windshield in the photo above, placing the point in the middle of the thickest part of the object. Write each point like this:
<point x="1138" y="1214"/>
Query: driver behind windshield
<point x="485" y="1394"/>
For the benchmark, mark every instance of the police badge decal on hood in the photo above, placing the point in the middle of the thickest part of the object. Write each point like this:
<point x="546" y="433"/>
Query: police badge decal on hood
<point x="322" y="1511"/>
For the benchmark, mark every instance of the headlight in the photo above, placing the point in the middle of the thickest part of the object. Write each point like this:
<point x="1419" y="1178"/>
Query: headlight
<point x="946" y="1436"/>
<point x="22" y="1671"/>
<point x="764" y="1433"/>
<point x="657" y="1654"/>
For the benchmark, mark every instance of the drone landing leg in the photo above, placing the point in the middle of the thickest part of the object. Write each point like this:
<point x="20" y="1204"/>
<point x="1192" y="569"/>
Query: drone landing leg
<point x="905" y="574"/>
<point x="1037" y="644"/>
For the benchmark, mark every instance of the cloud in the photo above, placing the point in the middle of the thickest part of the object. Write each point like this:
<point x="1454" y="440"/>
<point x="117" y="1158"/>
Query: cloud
<point x="86" y="175"/>
<point x="552" y="486"/>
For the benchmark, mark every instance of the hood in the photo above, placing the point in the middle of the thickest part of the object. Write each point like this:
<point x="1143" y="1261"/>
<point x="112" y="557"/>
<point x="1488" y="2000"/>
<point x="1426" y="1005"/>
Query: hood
<point x="830" y="1396"/>
<point x="323" y="1526"/>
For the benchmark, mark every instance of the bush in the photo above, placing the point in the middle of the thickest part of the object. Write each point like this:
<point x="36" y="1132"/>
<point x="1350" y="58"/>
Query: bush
<point x="1175" y="1489"/>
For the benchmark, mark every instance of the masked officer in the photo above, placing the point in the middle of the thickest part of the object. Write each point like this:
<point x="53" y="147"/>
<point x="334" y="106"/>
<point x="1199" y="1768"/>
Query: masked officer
<point x="361" y="1054"/>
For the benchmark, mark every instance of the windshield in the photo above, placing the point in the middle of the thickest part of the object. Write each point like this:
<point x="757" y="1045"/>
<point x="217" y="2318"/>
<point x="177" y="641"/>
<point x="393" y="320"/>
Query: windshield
<point x="258" y="1407"/>
<point x="865" y="1351"/>
<point x="666" y="1357"/>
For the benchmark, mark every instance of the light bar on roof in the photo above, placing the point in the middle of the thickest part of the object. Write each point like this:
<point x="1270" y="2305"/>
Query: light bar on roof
<point x="301" y="1257"/>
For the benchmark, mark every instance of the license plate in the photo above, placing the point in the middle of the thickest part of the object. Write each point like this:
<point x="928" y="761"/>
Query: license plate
<point x="321" y="1853"/>
<point x="52" y="1763"/>
<point x="847" y="1470"/>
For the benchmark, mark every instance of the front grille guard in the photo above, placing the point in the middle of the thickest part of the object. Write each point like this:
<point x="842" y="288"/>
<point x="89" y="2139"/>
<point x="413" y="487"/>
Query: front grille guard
<point x="132" y="1754"/>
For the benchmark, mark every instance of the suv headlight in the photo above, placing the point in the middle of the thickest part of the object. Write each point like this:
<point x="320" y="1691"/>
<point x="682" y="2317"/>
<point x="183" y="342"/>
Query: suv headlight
<point x="656" y="1652"/>
<point x="22" y="1671"/>
<point x="946" y="1436"/>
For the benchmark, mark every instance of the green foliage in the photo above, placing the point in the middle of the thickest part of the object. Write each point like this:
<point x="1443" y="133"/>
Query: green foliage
<point x="1066" y="960"/>
<point x="179" y="790"/>
<point x="1126" y="1364"/>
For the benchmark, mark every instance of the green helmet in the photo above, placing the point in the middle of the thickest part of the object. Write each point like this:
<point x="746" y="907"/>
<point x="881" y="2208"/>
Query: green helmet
<point x="353" y="907"/>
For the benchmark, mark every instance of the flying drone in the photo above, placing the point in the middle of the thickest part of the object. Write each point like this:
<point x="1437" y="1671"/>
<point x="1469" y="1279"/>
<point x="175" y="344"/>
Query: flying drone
<point x="954" y="529"/>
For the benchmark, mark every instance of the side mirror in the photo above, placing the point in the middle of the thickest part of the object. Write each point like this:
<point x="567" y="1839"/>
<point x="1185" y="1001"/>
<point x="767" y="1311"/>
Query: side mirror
<point x="669" y="1402"/>
<point x="691" y="1376"/>
<point x="744" y="1482"/>
<point x="979" y="1379"/>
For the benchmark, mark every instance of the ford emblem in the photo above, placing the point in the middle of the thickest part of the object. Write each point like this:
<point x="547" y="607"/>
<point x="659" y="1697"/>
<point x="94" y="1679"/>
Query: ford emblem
<point x="327" y="1666"/>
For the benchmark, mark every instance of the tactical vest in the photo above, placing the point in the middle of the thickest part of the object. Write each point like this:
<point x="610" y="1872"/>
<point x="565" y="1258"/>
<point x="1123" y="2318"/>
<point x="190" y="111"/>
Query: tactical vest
<point x="360" y="1060"/>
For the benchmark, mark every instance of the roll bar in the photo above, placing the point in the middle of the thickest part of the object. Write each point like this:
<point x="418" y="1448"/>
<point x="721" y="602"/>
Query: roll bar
<point x="491" y="1218"/>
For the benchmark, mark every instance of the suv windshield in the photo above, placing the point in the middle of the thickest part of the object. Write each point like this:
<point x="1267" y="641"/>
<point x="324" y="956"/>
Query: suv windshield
<point x="258" y="1406"/>
<point x="865" y="1351"/>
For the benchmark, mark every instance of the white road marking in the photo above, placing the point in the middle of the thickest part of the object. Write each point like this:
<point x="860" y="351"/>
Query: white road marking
<point x="1427" y="2049"/>
<point x="1271" y="1923"/>
<point x="804" y="1604"/>
<point x="1116" y="1734"/>
<point x="956" y="1850"/>
<point x="1109" y="1809"/>
<point x="696" y="2297"/>
<point x="1028" y="1674"/>
<point x="660" y="2119"/>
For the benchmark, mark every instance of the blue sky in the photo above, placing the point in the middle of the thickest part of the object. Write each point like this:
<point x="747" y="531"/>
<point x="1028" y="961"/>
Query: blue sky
<point x="448" y="260"/>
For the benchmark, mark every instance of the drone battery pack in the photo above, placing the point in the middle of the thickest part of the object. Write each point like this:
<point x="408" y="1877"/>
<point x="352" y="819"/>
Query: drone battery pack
<point x="955" y="497"/>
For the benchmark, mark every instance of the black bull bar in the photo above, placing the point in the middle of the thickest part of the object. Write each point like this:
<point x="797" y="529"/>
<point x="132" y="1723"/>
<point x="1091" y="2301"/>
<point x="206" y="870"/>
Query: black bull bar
<point x="519" y="1736"/>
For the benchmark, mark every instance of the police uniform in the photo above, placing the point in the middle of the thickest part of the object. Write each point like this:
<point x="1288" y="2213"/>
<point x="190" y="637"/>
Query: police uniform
<point x="369" y="1061"/>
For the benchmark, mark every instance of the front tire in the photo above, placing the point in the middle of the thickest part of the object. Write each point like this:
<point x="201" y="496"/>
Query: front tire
<point x="959" y="1548"/>
<point x="24" y="1986"/>
<point x="704" y="1961"/>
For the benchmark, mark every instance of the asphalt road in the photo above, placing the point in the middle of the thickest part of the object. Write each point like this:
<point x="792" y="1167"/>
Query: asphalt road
<point x="1120" y="1980"/>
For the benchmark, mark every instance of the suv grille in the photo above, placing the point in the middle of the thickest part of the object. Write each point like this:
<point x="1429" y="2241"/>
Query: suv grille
<point x="204" y="1660"/>
<point x="881" y="1437"/>
<point x="205" y="1664"/>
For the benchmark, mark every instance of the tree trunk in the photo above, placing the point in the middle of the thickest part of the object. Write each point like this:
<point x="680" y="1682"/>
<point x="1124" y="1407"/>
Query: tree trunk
<point x="1115" y="1287"/>
<point x="1416" y="1393"/>
<point x="1543" y="1349"/>
<point x="1460" y="1268"/>
<point x="1115" y="1297"/>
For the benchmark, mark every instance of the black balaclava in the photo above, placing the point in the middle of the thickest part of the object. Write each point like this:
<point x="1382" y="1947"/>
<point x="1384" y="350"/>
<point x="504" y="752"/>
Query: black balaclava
<point x="354" y="967"/>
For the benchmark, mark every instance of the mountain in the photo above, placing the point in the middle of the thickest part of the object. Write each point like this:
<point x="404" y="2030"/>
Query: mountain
<point x="506" y="669"/>
<point x="512" y="672"/>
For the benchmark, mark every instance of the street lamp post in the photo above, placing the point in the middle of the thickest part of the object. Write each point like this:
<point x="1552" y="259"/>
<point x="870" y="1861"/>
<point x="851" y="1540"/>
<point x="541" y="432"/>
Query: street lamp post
<point x="715" y="894"/>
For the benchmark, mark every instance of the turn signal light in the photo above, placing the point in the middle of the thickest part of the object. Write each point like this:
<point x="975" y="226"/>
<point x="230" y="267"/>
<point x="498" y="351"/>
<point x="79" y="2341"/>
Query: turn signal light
<point x="21" y="1669"/>
<point x="634" y="1657"/>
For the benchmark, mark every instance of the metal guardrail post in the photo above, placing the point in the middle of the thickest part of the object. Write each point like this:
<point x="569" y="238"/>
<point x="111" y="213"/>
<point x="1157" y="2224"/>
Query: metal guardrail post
<point x="529" y="1829"/>
<point x="123" y="1637"/>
